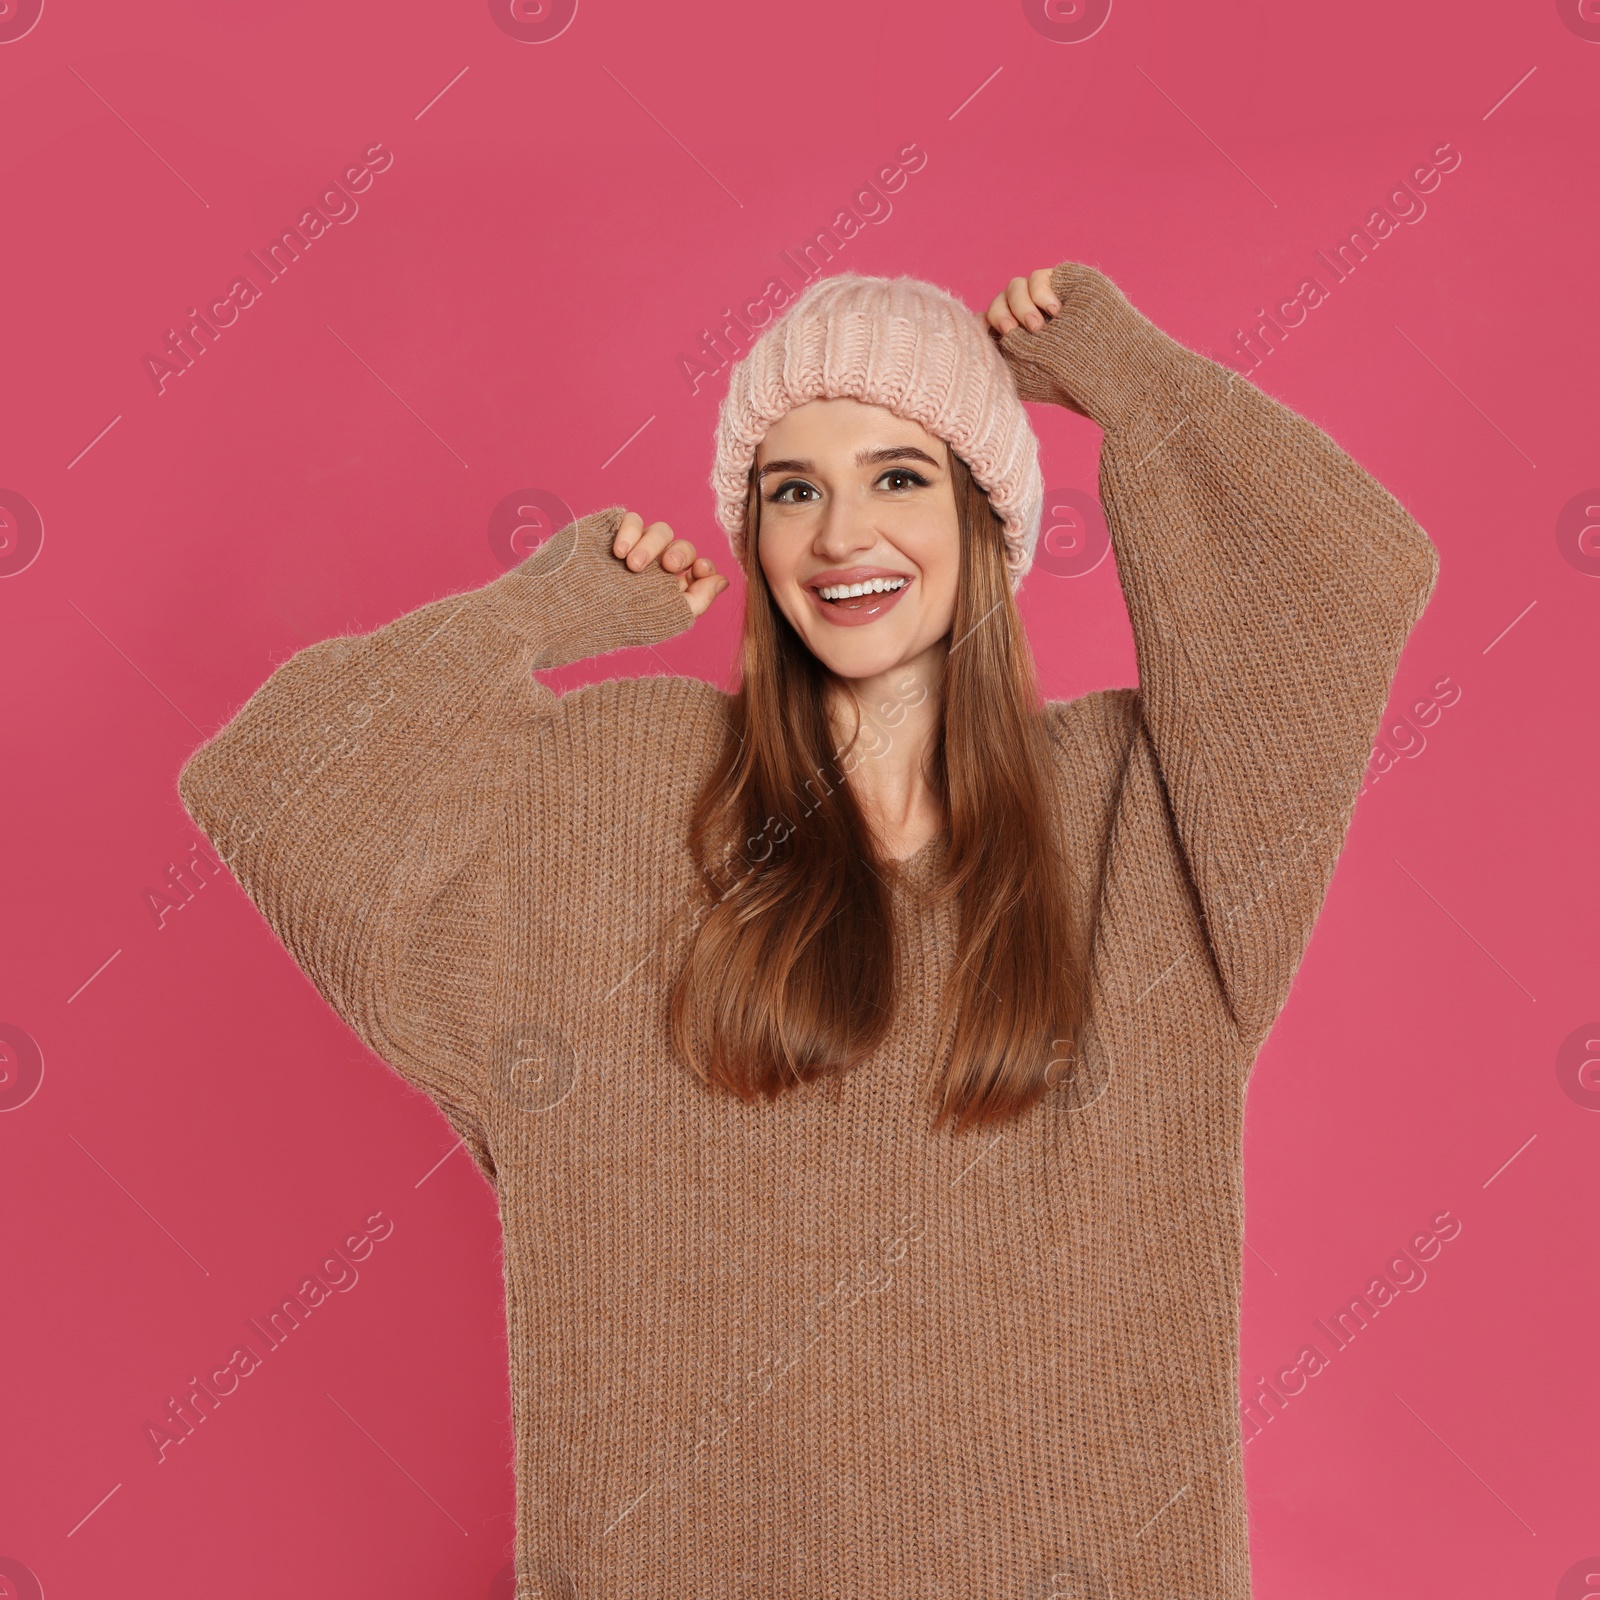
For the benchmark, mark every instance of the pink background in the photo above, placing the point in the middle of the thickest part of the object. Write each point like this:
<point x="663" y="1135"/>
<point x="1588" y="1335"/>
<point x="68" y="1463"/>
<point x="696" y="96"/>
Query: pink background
<point x="506" y="312"/>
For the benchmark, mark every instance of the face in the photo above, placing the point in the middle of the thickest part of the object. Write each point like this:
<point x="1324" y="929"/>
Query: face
<point x="852" y="494"/>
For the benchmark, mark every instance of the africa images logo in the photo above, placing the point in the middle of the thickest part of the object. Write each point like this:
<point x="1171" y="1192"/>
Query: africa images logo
<point x="199" y="1399"/>
<point x="336" y="203"/>
<point x="1578" y="1066"/>
<point x="21" y="529"/>
<point x="522" y="521"/>
<point x="21" y="1071"/>
<point x="1578" y="532"/>
<point x="533" y="21"/>
<point x="17" y="17"/>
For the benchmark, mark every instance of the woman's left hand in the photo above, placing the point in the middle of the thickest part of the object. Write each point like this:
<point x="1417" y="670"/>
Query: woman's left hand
<point x="1024" y="302"/>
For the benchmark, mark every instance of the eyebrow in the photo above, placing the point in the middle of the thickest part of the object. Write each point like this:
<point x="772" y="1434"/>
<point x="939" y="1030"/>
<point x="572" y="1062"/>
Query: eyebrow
<point x="864" y="458"/>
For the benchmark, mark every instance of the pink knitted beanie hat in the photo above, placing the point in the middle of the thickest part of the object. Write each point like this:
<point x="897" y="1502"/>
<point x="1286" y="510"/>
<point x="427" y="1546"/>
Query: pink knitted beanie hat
<point x="909" y="347"/>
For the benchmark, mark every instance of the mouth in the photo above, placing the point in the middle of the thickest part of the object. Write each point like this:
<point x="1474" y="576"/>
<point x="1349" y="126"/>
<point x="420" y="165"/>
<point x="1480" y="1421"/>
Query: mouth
<point x="858" y="596"/>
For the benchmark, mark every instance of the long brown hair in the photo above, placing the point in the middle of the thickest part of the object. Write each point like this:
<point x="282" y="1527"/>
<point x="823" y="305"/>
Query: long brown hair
<point x="791" y="974"/>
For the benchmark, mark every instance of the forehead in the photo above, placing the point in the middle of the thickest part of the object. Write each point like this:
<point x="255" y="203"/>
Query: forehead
<point x="833" y="430"/>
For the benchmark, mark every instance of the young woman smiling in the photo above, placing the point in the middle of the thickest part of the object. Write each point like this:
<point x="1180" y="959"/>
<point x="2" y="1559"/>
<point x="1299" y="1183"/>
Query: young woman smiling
<point x="718" y="989"/>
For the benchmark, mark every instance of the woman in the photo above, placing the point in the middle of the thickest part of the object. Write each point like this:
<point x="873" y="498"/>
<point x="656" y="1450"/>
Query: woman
<point x="688" y="972"/>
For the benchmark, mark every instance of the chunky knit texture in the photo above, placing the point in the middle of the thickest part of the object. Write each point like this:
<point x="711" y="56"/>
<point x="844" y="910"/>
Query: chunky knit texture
<point x="805" y="1349"/>
<point x="898" y="343"/>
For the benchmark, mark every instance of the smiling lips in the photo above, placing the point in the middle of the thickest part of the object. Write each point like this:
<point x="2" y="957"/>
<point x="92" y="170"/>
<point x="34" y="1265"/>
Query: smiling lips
<point x="856" y="595"/>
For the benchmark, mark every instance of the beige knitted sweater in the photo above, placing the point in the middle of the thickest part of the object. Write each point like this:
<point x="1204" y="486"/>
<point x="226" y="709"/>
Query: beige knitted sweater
<point x="806" y="1349"/>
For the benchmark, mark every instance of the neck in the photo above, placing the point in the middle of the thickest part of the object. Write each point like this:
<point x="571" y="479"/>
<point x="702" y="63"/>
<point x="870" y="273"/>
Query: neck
<point x="887" y="765"/>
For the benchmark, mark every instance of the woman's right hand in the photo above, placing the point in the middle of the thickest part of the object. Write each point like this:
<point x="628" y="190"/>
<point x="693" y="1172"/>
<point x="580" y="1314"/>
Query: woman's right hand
<point x="637" y="546"/>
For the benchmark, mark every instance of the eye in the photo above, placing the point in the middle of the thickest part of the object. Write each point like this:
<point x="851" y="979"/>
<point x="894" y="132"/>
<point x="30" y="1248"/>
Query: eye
<point x="782" y="496"/>
<point x="797" y="491"/>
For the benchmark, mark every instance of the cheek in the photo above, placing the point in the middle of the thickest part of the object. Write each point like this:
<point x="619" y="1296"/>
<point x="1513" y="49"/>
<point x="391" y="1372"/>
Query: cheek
<point x="940" y="561"/>
<point x="777" y="552"/>
<point x="939" y="603"/>
<point x="780" y="551"/>
<point x="934" y="544"/>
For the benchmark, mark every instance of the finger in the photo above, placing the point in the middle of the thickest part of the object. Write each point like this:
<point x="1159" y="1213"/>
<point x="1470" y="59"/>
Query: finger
<point x="628" y="530"/>
<point x="999" y="315"/>
<point x="703" y="591"/>
<point x="655" y="538"/>
<point x="1022" y="306"/>
<point x="678" y="555"/>
<point x="1042" y="291"/>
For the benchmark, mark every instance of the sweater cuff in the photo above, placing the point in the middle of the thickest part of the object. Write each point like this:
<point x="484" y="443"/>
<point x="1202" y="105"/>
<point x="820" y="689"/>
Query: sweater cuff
<point x="1099" y="355"/>
<point x="572" y="598"/>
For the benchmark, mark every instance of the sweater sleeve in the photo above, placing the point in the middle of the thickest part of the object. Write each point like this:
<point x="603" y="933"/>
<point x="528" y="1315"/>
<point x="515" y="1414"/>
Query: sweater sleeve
<point x="1271" y="584"/>
<point x="351" y="791"/>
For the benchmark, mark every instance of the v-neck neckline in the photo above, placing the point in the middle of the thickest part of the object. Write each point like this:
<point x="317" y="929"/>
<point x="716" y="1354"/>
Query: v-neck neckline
<point x="924" y="866"/>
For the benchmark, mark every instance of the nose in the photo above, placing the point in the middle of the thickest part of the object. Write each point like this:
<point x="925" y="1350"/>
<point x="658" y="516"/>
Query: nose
<point x="846" y="529"/>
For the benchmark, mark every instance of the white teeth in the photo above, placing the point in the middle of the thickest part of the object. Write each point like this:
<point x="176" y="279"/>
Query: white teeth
<point x="846" y="591"/>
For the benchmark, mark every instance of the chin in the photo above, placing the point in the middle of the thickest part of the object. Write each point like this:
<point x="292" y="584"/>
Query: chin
<point x="861" y="658"/>
<point x="852" y="667"/>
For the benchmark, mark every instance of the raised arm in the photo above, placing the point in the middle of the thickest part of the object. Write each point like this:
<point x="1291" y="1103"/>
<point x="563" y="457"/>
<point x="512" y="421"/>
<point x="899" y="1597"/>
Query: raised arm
<point x="1271" y="583"/>
<point x="355" y="785"/>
